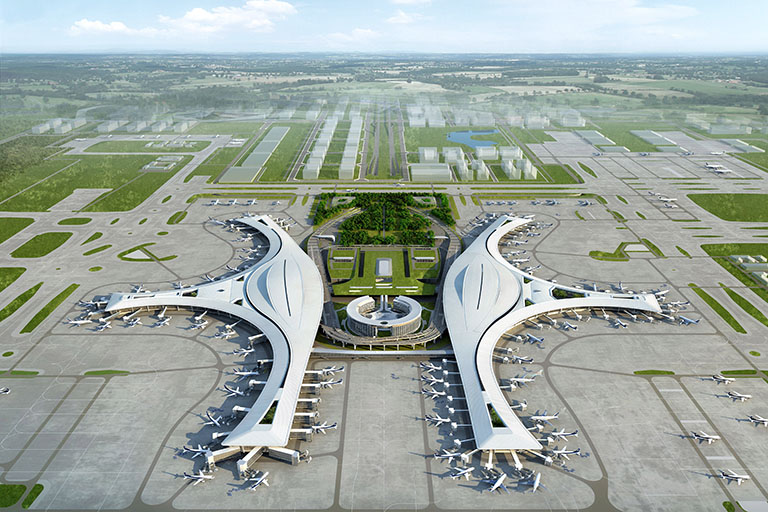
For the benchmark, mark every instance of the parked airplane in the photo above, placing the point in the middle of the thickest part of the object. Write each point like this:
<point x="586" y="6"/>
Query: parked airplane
<point x="161" y="315"/>
<point x="431" y="379"/>
<point x="446" y="455"/>
<point x="431" y="393"/>
<point x="544" y="418"/>
<point x="251" y="202"/>
<point x="754" y="418"/>
<point x="688" y="321"/>
<point x="678" y="303"/>
<point x="722" y="171"/>
<point x="713" y="167"/>
<point x="554" y="435"/>
<point x="496" y="482"/>
<point x="729" y="475"/>
<point x="670" y="205"/>
<point x="243" y="373"/>
<point x="5" y="391"/>
<point x="259" y="480"/>
<point x="225" y="335"/>
<point x="199" y="326"/>
<point x="436" y="420"/>
<point x="197" y="477"/>
<point x="209" y="278"/>
<point x="139" y="288"/>
<point x="211" y="420"/>
<point x="163" y="321"/>
<point x="321" y="429"/>
<point x="78" y="321"/>
<point x="233" y="392"/>
<point x="722" y="380"/>
<point x="568" y="325"/>
<point x="232" y="269"/>
<point x="667" y="199"/>
<point x="534" y="339"/>
<point x="565" y="452"/>
<point x="462" y="472"/>
<point x="179" y="285"/>
<point x="703" y="436"/>
<point x="200" y="450"/>
<point x="516" y="382"/>
<point x="533" y="481"/>
<point x="103" y="326"/>
<point x="326" y="372"/>
<point x="583" y="202"/>
<point x="215" y="202"/>
<point x="521" y="359"/>
<point x="243" y="352"/>
<point x="618" y="323"/>
<point x="735" y="395"/>
<point x="133" y="322"/>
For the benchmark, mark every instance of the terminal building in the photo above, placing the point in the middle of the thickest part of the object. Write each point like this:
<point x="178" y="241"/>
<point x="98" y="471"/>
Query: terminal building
<point x="365" y="318"/>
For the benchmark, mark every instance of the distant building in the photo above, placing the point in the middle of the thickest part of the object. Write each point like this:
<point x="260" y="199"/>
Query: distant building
<point x="487" y="153"/>
<point x="430" y="172"/>
<point x="62" y="128"/>
<point x="510" y="170"/>
<point x="428" y="155"/>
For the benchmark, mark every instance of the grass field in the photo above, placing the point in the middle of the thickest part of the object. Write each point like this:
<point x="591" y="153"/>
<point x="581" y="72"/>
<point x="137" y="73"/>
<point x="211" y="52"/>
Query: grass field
<point x="587" y="170"/>
<point x="18" y="302"/>
<point x="177" y="217"/>
<point x="49" y="308"/>
<point x="141" y="146"/>
<point x="760" y="159"/>
<point x="745" y="305"/>
<point x="32" y="496"/>
<point x="526" y="136"/>
<point x="734" y="207"/>
<point x="113" y="172"/>
<point x="558" y="174"/>
<point x="280" y="162"/>
<point x="93" y="237"/>
<point x="10" y="494"/>
<point x="74" y="221"/>
<point x="718" y="308"/>
<point x="41" y="244"/>
<point x="9" y="226"/>
<point x="8" y="275"/>
<point x="720" y="253"/>
<point x="620" y="134"/>
<point x="225" y="128"/>
<point x="399" y="284"/>
<point x="216" y="163"/>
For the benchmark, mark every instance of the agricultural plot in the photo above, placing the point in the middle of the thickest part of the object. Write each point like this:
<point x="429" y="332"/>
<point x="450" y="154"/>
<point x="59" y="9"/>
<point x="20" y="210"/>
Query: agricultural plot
<point x="405" y="278"/>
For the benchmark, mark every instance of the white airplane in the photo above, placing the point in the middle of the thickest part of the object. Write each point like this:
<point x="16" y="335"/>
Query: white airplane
<point x="232" y="269"/>
<point x="679" y="303"/>
<point x="432" y="379"/>
<point x="534" y="339"/>
<point x="565" y="452"/>
<point x="133" y="322"/>
<point x="5" y="391"/>
<point x="703" y="436"/>
<point x="322" y="428"/>
<point x="618" y="323"/>
<point x="754" y="418"/>
<point x="544" y="418"/>
<point x="531" y="270"/>
<point x="436" y="420"/>
<point x="208" y="278"/>
<point x="518" y="261"/>
<point x="161" y="315"/>
<point x="233" y="392"/>
<point x="328" y="384"/>
<point x="200" y="450"/>
<point x="722" y="380"/>
<point x="211" y="420"/>
<point x="88" y="303"/>
<point x="243" y="373"/>
<point x="534" y="482"/>
<point x="243" y="351"/>
<point x="722" y="171"/>
<point x="103" y="326"/>
<point x="199" y="326"/>
<point x="429" y="366"/>
<point x="233" y="202"/>
<point x="215" y="202"/>
<point x="225" y="335"/>
<point x="431" y="393"/>
<point x="199" y="318"/>
<point x="521" y="359"/>
<point x="666" y="199"/>
<point x="688" y="321"/>
<point x="516" y="382"/>
<point x="251" y="202"/>
<point x="729" y="475"/>
<point x="713" y="167"/>
<point x="197" y="477"/>
<point x="497" y="483"/>
<point x="670" y="205"/>
<point x="78" y="321"/>
<point x="735" y="395"/>
<point x="217" y="221"/>
<point x="446" y="455"/>
<point x="568" y="325"/>
<point x="163" y="321"/>
<point x="554" y="435"/>
<point x="583" y="202"/>
<point x="329" y="371"/>
<point x="462" y="472"/>
<point x="258" y="480"/>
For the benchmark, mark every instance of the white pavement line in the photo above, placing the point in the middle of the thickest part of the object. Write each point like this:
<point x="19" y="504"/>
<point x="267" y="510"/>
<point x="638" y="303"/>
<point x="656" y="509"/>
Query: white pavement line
<point x="671" y="389"/>
<point x="720" y="457"/>
<point x="693" y="421"/>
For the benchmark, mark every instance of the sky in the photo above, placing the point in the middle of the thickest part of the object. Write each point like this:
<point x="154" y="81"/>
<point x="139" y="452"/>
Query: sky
<point x="418" y="26"/>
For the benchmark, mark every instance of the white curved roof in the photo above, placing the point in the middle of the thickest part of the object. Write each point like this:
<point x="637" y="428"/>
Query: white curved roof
<point x="483" y="297"/>
<point x="282" y="296"/>
<point x="414" y="311"/>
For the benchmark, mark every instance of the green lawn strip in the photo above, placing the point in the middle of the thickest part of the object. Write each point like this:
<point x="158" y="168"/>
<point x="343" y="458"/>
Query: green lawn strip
<point x="9" y="226"/>
<point x="745" y="305"/>
<point x="367" y="283"/>
<point x="587" y="170"/>
<point x="641" y="215"/>
<point x="142" y="221"/>
<point x="739" y="373"/>
<point x="41" y="244"/>
<point x="49" y="308"/>
<point x="10" y="494"/>
<point x="579" y="216"/>
<point x="718" y="308"/>
<point x="8" y="275"/>
<point x="655" y="250"/>
<point x="93" y="373"/>
<point x="618" y="216"/>
<point x="95" y="269"/>
<point x="720" y="253"/>
<point x="622" y="199"/>
<point x="8" y="353"/>
<point x="23" y="373"/>
<point x="279" y="163"/>
<point x="620" y="133"/>
<point x="558" y="174"/>
<point x="683" y="251"/>
<point x="618" y="255"/>
<point x="654" y="372"/>
<point x="754" y="353"/>
<point x="74" y="221"/>
<point x="18" y="302"/>
<point x="97" y="250"/>
<point x="32" y="496"/>
<point x="734" y="207"/>
<point x="177" y="217"/>
<point x="166" y="199"/>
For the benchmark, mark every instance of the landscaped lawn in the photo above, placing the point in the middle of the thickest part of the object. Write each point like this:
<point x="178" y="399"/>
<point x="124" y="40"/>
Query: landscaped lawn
<point x="734" y="207"/>
<point x="399" y="285"/>
<point x="41" y="244"/>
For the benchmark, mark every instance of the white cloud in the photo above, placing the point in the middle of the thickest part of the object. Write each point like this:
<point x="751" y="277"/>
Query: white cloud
<point x="253" y="16"/>
<point x="403" y="18"/>
<point x="411" y="2"/>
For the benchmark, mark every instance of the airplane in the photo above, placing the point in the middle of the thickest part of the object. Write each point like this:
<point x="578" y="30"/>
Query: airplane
<point x="531" y="270"/>
<point x="517" y="261"/>
<point x="432" y="380"/>
<point x="328" y="384"/>
<point x="722" y="171"/>
<point x="232" y="269"/>
<point x="735" y="395"/>
<point x="5" y="391"/>
<point x="565" y="452"/>
<point x="200" y="325"/>
<point x="225" y="335"/>
<point x="446" y="455"/>
<point x="217" y="221"/>
<point x="666" y="199"/>
<point x="133" y="322"/>
<point x="103" y="326"/>
<point x="199" y="318"/>
<point x="255" y="337"/>
<point x="717" y="152"/>
<point x="200" y="450"/>
<point x="521" y="359"/>
<point x="669" y="205"/>
<point x="703" y="436"/>
<point x="163" y="321"/>
<point x="583" y="202"/>
<point x="516" y="382"/>
<point x="534" y="339"/>
<point x="88" y="303"/>
<point x="78" y="321"/>
<point x="720" y="379"/>
<point x="618" y="323"/>
<point x="568" y="325"/>
<point x="534" y="482"/>
<point x="436" y="420"/>
<point x="139" y="288"/>
<point x="258" y="480"/>
<point x="520" y="242"/>
<point x="243" y="352"/>
<point x="431" y="393"/>
<point x="243" y="373"/>
<point x="233" y="202"/>
<point x="209" y="278"/>
<point x="326" y="372"/>
<point x="212" y="420"/>
<point x="215" y="202"/>
<point x="687" y="321"/>
<point x="544" y="418"/>
<point x="496" y="483"/>
<point x="322" y="428"/>
<point x="233" y="392"/>
<point x="198" y="477"/>
<point x="713" y="167"/>
<point x="729" y="475"/>
<point x="679" y="303"/>
<point x="754" y="418"/>
<point x="554" y="435"/>
<point x="179" y="285"/>
<point x="552" y="202"/>
<point x="251" y="202"/>
<point x="462" y="472"/>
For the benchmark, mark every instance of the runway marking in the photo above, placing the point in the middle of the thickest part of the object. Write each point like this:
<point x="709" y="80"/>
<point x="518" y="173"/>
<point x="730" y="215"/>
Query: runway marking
<point x="720" y="457"/>
<point x="672" y="389"/>
<point x="693" y="421"/>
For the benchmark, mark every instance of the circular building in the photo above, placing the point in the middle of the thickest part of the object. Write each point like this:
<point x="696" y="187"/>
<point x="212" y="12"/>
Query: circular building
<point x="365" y="318"/>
